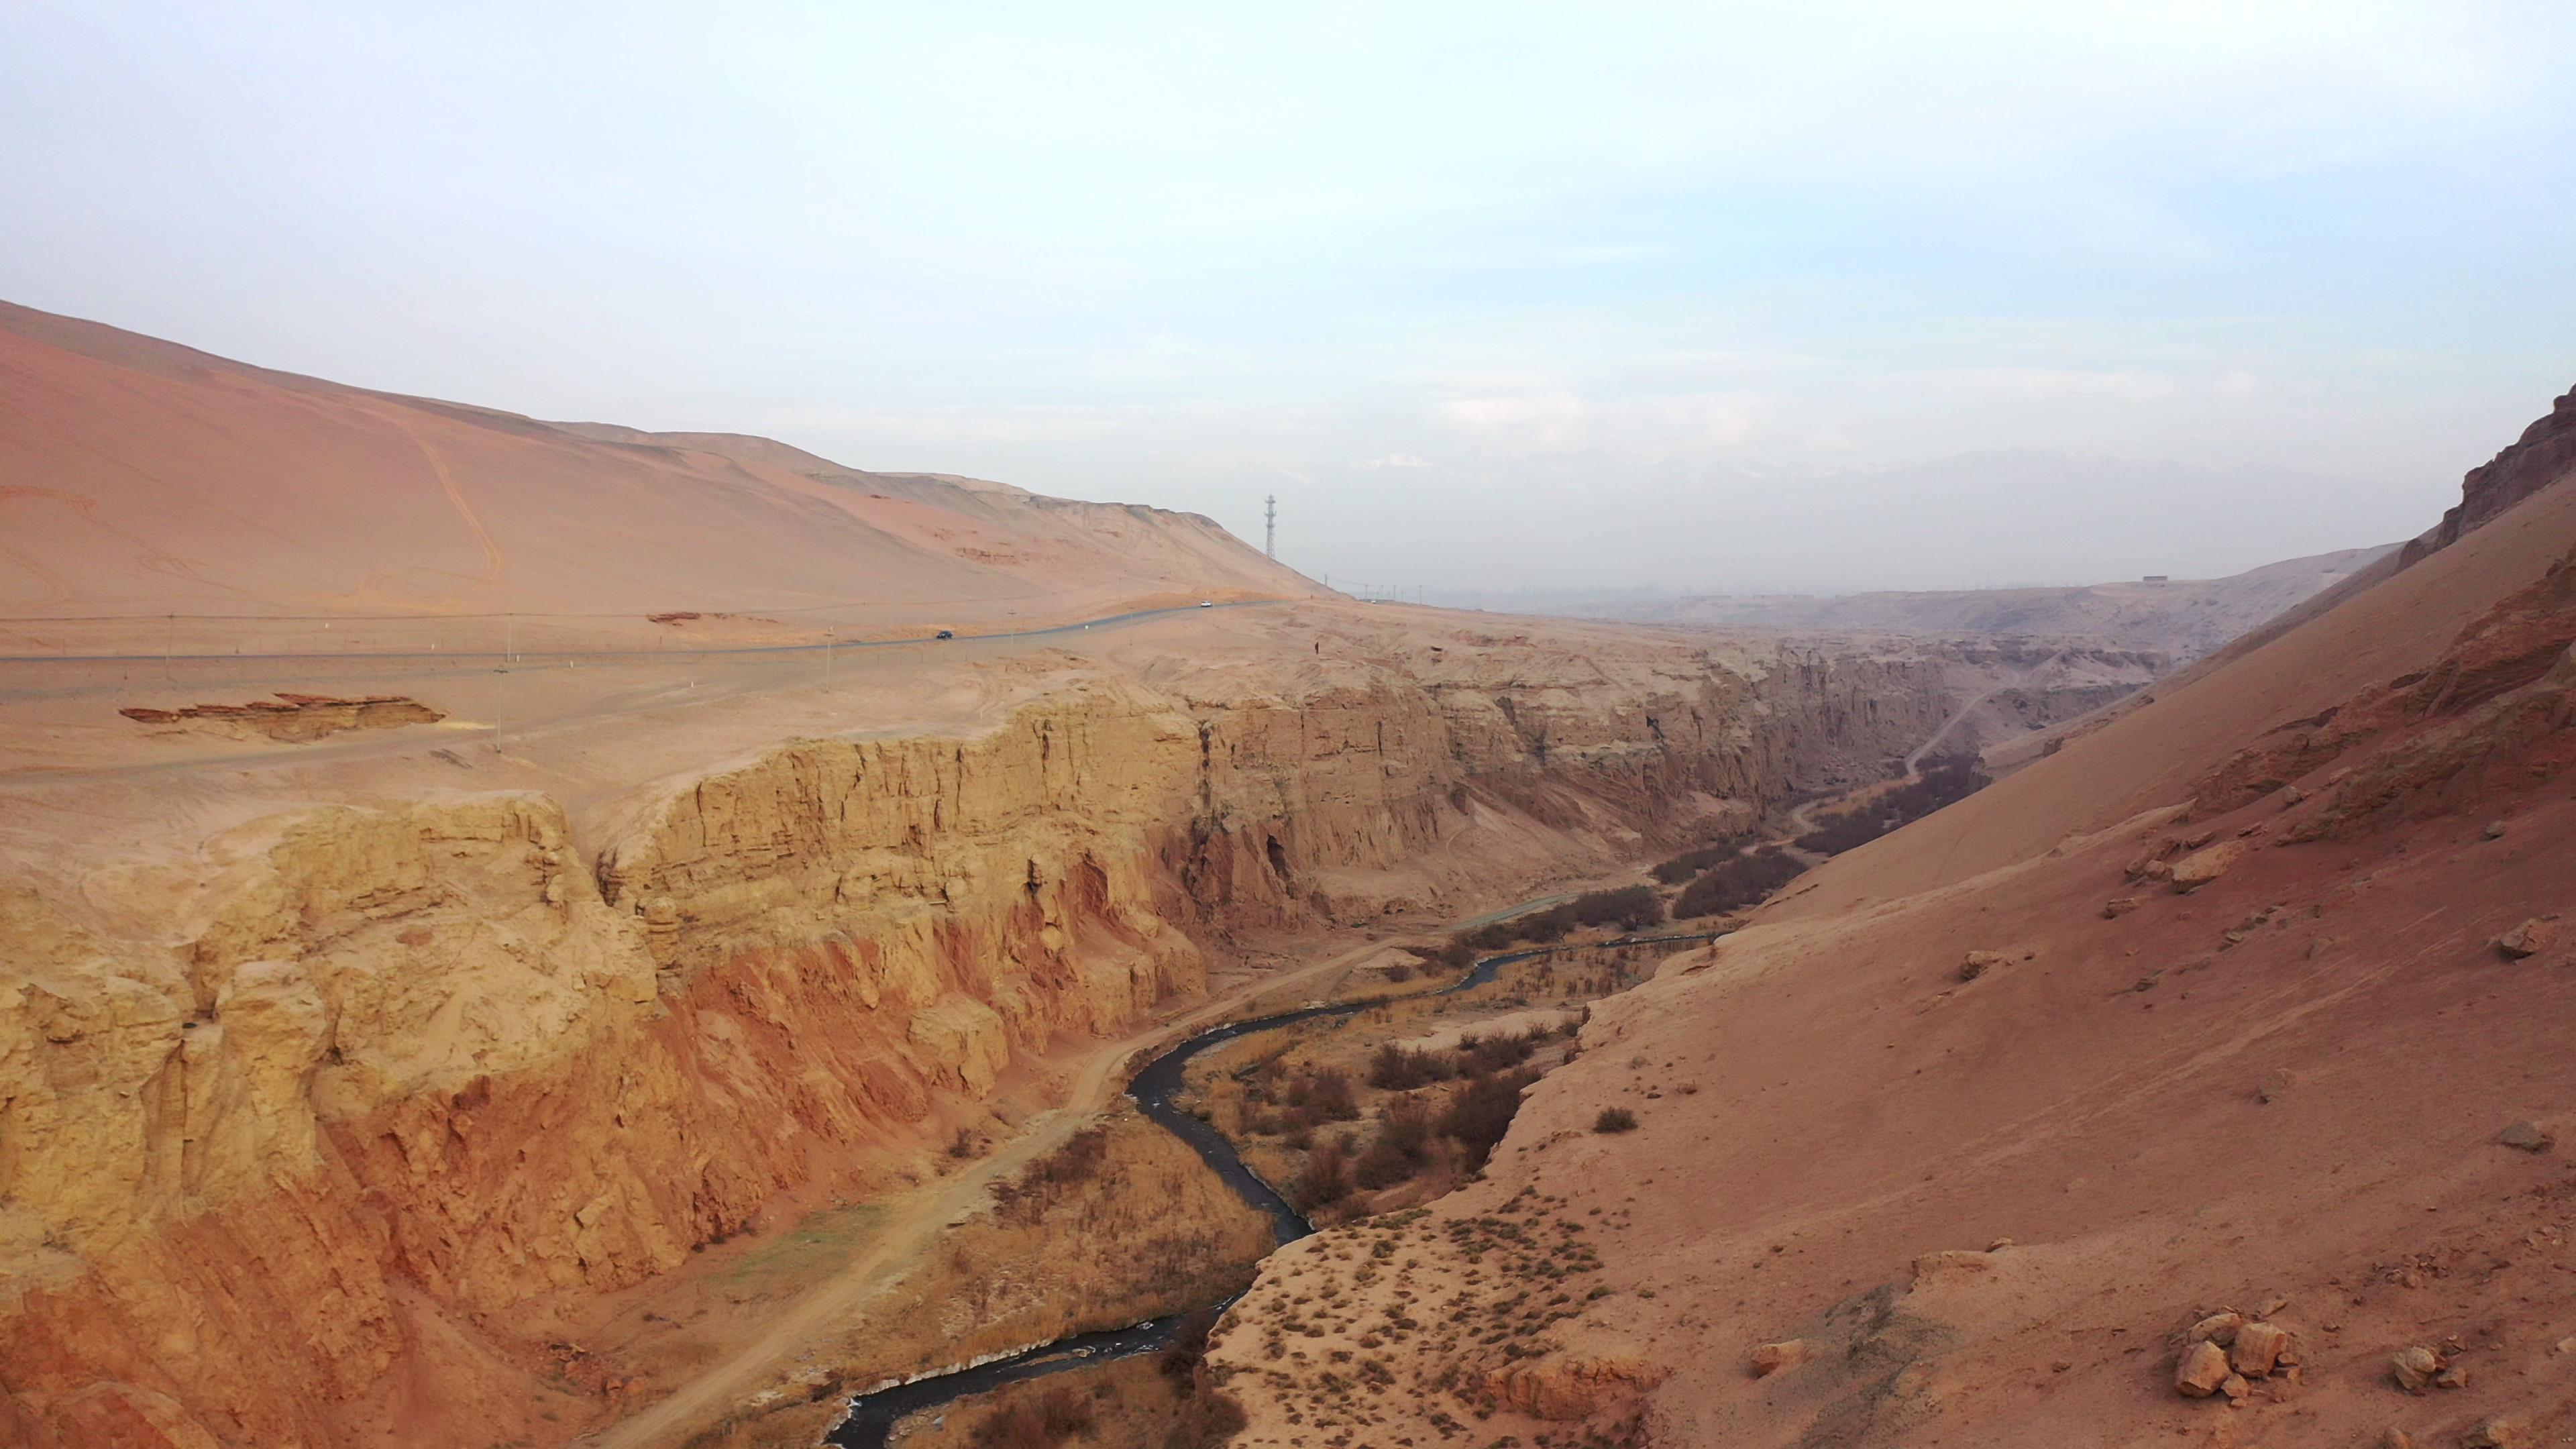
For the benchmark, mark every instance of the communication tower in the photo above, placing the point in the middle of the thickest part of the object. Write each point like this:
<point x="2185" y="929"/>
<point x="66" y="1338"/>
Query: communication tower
<point x="1270" y="527"/>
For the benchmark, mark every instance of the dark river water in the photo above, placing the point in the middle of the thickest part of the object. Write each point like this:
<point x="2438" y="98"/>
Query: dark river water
<point x="874" y="1415"/>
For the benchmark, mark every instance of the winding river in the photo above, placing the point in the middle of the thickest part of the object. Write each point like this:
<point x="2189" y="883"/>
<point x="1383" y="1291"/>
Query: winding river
<point x="873" y="1415"/>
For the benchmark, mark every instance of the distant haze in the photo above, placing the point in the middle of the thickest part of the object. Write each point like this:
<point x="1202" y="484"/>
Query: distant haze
<point x="1686" y="297"/>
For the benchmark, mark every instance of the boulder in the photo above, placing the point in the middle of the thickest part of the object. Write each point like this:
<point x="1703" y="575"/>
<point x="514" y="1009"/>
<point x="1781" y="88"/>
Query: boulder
<point x="2414" y="1368"/>
<point x="2202" y="1370"/>
<point x="2217" y="1328"/>
<point x="2203" y="866"/>
<point x="1951" y="1263"/>
<point x="2235" y="1387"/>
<point x="2495" y="830"/>
<point x="2258" y="1347"/>
<point x="1978" y="963"/>
<point x="1770" y="1358"/>
<point x="2529" y="939"/>
<point x="2118" y="906"/>
<point x="2525" y="1135"/>
<point x="2494" y="1433"/>
<point x="2276" y="1085"/>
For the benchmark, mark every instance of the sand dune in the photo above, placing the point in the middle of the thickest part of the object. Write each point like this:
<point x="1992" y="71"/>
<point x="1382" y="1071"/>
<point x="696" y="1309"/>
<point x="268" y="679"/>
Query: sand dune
<point x="148" y="478"/>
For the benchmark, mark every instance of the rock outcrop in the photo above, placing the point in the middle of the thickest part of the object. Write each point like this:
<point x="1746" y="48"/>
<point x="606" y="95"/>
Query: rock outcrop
<point x="349" y="1081"/>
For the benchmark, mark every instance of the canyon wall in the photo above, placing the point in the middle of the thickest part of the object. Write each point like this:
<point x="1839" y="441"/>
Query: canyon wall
<point x="290" y="1117"/>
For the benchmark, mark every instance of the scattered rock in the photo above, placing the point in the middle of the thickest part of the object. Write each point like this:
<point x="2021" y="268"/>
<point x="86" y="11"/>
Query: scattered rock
<point x="2118" y="906"/>
<point x="1998" y="1245"/>
<point x="2195" y="842"/>
<point x="2258" y="1347"/>
<point x="2393" y="1437"/>
<point x="2292" y="795"/>
<point x="2495" y="830"/>
<point x="2495" y="1433"/>
<point x="2201" y="867"/>
<point x="2414" y="1368"/>
<point x="2525" y="1135"/>
<point x="2235" y="1388"/>
<point x="2202" y="1371"/>
<point x="1770" y="1358"/>
<point x="1951" y="1262"/>
<point x="2157" y="870"/>
<point x="2530" y="938"/>
<point x="1978" y="963"/>
<point x="2276" y="1085"/>
<point x="2217" y="1328"/>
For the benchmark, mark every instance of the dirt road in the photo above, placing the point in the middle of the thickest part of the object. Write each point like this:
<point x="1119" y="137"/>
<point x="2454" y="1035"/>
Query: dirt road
<point x="915" y="1220"/>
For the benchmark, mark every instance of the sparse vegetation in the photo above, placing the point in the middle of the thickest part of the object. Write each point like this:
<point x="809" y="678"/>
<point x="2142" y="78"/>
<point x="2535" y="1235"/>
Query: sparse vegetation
<point x="1039" y="1422"/>
<point x="1481" y="1112"/>
<point x="1942" y="782"/>
<point x="1690" y="863"/>
<point x="1737" y="883"/>
<point x="1615" y="1119"/>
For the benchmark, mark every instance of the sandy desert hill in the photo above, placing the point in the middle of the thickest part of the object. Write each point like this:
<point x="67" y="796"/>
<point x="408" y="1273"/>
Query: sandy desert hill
<point x="2255" y="1001"/>
<point x="474" y="1044"/>
<point x="147" y="478"/>
<point x="393" y="995"/>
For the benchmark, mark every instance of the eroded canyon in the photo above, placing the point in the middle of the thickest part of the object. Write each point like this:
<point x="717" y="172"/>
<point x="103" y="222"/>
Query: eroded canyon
<point x="629" y="1039"/>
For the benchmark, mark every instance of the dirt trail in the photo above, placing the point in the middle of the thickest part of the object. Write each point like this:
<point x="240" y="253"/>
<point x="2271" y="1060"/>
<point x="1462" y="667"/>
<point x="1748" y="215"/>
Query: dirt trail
<point x="1914" y="761"/>
<point x="915" y="1220"/>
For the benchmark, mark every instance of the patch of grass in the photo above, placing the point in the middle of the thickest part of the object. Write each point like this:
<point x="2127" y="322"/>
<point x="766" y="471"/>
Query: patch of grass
<point x="815" y="1247"/>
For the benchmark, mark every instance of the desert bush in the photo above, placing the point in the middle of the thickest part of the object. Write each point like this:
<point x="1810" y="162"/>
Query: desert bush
<point x="1398" y="1069"/>
<point x="1481" y="1112"/>
<point x="1326" y="1179"/>
<point x="1401" y="1148"/>
<point x="1942" y="782"/>
<point x="1615" y="1119"/>
<point x="1324" y="1095"/>
<point x="1047" y="1181"/>
<point x="1207" y="1421"/>
<point x="1630" y="908"/>
<point x="1180" y="1361"/>
<point x="1737" y="883"/>
<point x="1041" y="1422"/>
<point x="1691" y="862"/>
<point x="1382" y="1165"/>
<point x="1481" y="1055"/>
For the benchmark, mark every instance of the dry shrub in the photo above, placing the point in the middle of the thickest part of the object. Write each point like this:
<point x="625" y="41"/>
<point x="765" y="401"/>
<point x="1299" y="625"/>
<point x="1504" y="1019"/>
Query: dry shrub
<point x="1691" y="862"/>
<point x="1398" y="1069"/>
<point x="1481" y="1112"/>
<point x="1048" y="1181"/>
<point x="1041" y="1422"/>
<point x="1737" y="883"/>
<point x="1325" y="1181"/>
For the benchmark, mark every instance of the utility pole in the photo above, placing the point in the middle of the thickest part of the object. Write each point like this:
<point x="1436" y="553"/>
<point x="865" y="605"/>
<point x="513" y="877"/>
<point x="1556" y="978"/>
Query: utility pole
<point x="1270" y="529"/>
<point x="827" y="661"/>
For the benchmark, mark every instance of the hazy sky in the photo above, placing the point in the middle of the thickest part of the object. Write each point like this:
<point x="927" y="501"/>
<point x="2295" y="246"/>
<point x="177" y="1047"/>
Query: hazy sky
<point x="1564" y="295"/>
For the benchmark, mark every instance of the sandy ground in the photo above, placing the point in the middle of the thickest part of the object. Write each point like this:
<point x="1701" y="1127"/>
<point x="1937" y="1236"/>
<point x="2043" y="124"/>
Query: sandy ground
<point x="1985" y="1197"/>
